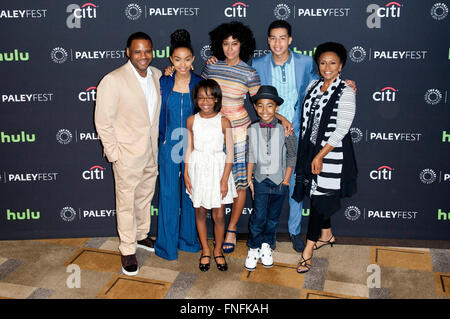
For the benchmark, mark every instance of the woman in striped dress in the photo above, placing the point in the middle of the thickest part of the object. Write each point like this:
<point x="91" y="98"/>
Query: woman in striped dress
<point x="233" y="44"/>
<point x="326" y="167"/>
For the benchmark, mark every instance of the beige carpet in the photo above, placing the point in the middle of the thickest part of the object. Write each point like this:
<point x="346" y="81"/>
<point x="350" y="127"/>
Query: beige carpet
<point x="54" y="268"/>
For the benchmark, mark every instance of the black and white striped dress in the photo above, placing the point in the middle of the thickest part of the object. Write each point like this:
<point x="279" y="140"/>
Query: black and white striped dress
<point x="329" y="180"/>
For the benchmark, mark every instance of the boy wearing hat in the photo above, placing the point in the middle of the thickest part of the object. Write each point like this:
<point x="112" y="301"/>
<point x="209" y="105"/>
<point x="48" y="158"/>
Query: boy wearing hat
<point x="271" y="159"/>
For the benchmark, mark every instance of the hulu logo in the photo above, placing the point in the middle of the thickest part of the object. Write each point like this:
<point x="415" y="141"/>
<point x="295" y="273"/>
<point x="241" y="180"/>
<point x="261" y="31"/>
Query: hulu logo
<point x="443" y="215"/>
<point x="14" y="56"/>
<point x="22" y="137"/>
<point x="445" y="137"/>
<point x="306" y="52"/>
<point x="153" y="211"/>
<point x="27" y="215"/>
<point x="162" y="53"/>
<point x="305" y="212"/>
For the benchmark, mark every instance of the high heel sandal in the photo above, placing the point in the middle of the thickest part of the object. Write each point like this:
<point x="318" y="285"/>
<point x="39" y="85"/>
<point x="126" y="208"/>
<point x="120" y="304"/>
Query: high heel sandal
<point x="303" y="263"/>
<point x="328" y="242"/>
<point x="231" y="249"/>
<point x="221" y="267"/>
<point x="204" y="267"/>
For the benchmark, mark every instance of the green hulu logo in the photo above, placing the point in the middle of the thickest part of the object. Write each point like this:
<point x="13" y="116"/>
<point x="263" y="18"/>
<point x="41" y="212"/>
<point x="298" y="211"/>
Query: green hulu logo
<point x="14" y="56"/>
<point x="164" y="53"/>
<point x="304" y="52"/>
<point x="443" y="215"/>
<point x="445" y="137"/>
<point x="27" y="215"/>
<point x="305" y="212"/>
<point x="22" y="137"/>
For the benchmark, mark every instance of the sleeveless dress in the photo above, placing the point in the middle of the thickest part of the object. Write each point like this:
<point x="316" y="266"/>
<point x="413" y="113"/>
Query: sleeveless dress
<point x="235" y="81"/>
<point x="207" y="162"/>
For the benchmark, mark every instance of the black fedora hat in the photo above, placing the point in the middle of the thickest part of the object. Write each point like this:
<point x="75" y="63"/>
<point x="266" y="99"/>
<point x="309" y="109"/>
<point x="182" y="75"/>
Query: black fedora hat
<point x="267" y="92"/>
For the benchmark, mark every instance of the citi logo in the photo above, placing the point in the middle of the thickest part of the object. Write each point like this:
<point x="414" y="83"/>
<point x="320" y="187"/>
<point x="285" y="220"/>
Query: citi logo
<point x="382" y="173"/>
<point x="390" y="10"/>
<point x="88" y="95"/>
<point x="86" y="11"/>
<point x="95" y="172"/>
<point x="386" y="94"/>
<point x="22" y="137"/>
<point x="15" y="56"/>
<point x="26" y="215"/>
<point x="237" y="10"/>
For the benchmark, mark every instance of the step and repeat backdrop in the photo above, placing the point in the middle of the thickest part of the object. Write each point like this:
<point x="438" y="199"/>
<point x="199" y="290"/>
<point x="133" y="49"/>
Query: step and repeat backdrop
<point x="54" y="181"/>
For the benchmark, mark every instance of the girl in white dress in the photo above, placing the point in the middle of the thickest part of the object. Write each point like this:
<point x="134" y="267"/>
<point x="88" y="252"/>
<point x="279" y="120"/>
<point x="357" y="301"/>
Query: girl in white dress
<point x="207" y="168"/>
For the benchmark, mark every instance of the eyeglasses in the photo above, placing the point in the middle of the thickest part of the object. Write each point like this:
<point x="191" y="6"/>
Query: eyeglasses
<point x="207" y="98"/>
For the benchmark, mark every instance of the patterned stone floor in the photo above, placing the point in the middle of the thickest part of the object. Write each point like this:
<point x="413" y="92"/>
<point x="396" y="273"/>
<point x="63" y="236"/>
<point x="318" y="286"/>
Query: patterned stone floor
<point x="90" y="268"/>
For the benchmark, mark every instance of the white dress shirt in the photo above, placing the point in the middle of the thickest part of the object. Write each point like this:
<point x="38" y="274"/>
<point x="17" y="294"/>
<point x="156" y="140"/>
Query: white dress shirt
<point x="148" y="87"/>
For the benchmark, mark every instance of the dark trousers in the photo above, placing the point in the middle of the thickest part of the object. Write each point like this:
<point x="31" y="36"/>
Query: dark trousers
<point x="269" y="198"/>
<point x="316" y="224"/>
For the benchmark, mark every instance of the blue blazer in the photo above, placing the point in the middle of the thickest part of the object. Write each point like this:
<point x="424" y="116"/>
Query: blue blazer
<point x="166" y="85"/>
<point x="304" y="74"/>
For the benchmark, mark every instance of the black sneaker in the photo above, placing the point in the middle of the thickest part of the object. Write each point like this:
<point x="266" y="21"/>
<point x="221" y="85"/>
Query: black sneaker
<point x="297" y="242"/>
<point x="130" y="265"/>
<point x="147" y="244"/>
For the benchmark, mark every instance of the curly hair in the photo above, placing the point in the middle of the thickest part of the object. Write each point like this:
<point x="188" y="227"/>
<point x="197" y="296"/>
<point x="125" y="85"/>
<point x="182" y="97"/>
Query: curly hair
<point x="337" y="48"/>
<point x="180" y="39"/>
<point x="238" y="31"/>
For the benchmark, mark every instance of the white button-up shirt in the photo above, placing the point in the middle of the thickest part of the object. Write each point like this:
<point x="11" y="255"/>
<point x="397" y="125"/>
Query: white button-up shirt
<point x="148" y="87"/>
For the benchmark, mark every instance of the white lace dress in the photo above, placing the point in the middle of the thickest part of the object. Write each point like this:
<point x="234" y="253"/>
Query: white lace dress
<point x="207" y="162"/>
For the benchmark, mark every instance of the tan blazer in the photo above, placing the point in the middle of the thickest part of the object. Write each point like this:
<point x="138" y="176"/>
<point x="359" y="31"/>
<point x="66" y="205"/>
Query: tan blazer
<point x="122" y="118"/>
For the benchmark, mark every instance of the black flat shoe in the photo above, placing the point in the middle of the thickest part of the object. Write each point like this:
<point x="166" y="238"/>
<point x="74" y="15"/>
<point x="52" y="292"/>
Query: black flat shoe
<point x="221" y="267"/>
<point x="204" y="267"/>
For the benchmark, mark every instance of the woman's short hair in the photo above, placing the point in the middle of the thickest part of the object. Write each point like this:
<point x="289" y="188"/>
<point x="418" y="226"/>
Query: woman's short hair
<point x="180" y="39"/>
<point x="335" y="47"/>
<point x="238" y="31"/>
<point x="215" y="90"/>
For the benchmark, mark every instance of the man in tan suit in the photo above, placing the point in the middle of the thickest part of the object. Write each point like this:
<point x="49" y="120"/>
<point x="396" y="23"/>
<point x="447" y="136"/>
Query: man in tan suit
<point x="127" y="118"/>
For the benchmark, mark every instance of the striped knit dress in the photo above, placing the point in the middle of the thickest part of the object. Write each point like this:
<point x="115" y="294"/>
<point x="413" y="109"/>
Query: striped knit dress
<point x="235" y="81"/>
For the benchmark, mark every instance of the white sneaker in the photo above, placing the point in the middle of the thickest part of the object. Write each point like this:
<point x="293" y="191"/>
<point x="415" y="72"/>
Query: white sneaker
<point x="252" y="259"/>
<point x="266" y="255"/>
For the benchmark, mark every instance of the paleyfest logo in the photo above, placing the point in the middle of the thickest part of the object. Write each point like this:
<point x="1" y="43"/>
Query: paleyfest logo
<point x="352" y="213"/>
<point x="433" y="96"/>
<point x="133" y="11"/>
<point x="357" y="54"/>
<point x="282" y="11"/>
<point x="59" y="55"/>
<point x="427" y="176"/>
<point x="64" y="136"/>
<point x="439" y="11"/>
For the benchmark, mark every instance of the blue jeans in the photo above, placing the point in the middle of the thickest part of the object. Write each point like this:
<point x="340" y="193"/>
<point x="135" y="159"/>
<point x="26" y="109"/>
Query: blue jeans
<point x="269" y="198"/>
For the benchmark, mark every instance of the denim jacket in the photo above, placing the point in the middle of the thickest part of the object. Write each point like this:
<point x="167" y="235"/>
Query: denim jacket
<point x="166" y="84"/>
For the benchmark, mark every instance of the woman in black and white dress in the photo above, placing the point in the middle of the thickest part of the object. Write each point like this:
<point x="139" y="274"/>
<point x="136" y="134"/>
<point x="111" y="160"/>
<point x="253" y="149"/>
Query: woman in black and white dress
<point x="326" y="167"/>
